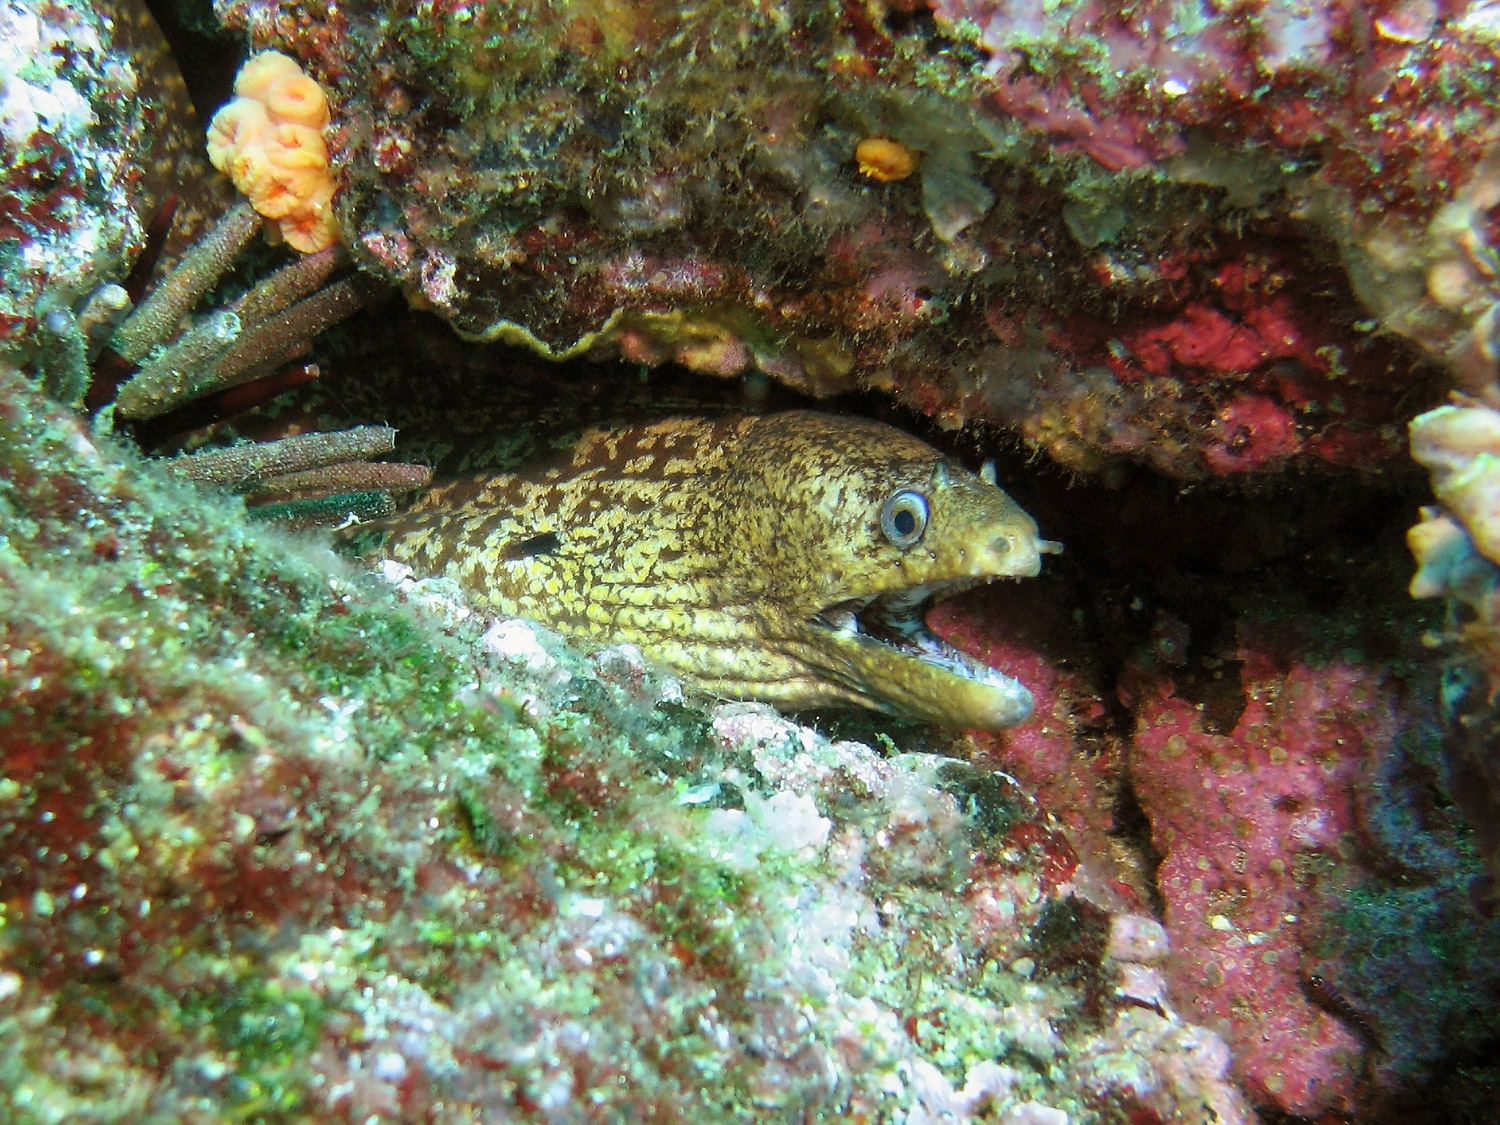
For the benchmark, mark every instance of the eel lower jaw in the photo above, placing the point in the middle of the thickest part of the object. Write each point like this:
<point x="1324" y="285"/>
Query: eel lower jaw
<point x="910" y="670"/>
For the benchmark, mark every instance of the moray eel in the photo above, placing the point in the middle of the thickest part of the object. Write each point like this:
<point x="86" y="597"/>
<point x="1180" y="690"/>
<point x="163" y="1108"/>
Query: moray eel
<point x="786" y="557"/>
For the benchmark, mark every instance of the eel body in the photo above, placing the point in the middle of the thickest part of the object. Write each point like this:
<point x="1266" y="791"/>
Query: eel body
<point x="786" y="557"/>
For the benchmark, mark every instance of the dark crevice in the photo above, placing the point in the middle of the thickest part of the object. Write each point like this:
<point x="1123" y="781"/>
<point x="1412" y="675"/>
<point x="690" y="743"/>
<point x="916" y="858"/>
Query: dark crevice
<point x="1133" y="828"/>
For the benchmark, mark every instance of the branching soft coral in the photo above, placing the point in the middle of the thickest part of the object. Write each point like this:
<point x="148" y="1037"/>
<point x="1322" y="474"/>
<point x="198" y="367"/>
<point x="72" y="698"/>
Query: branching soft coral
<point x="269" y="140"/>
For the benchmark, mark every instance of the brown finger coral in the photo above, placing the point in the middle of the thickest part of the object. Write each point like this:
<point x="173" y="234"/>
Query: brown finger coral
<point x="269" y="141"/>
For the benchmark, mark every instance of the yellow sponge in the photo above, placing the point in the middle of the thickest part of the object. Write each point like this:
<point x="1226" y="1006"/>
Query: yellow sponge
<point x="269" y="141"/>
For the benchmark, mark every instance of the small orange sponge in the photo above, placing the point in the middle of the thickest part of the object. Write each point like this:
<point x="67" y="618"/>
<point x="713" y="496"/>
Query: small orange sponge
<point x="885" y="160"/>
<point x="269" y="141"/>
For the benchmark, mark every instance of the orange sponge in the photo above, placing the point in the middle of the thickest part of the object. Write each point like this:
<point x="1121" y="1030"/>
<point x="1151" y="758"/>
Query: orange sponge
<point x="269" y="141"/>
<point x="885" y="160"/>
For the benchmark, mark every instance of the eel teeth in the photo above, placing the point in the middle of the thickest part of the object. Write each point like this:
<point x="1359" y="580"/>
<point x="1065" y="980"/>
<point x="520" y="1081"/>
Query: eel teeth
<point x="897" y="619"/>
<point x="840" y="620"/>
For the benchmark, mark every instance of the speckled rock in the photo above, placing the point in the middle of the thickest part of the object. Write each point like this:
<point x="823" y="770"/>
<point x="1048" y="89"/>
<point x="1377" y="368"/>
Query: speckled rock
<point x="285" y="842"/>
<point x="1194" y="242"/>
<point x="95" y="130"/>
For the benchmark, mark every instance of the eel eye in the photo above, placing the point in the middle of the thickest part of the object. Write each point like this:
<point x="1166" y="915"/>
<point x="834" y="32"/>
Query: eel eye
<point x="904" y="517"/>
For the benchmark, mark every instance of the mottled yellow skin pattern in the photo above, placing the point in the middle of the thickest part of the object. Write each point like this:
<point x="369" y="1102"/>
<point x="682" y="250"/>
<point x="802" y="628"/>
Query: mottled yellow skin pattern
<point x="712" y="543"/>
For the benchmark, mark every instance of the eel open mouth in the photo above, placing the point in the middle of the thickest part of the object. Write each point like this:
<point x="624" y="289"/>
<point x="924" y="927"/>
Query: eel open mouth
<point x="896" y="623"/>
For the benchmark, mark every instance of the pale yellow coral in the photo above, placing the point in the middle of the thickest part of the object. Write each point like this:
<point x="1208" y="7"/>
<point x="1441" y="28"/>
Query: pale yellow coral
<point x="238" y="126"/>
<point x="269" y="141"/>
<point x="290" y="174"/>
<point x="885" y="160"/>
<point x="1442" y="550"/>
<point x="298" y="100"/>
<point x="315" y="223"/>
<point x="1459" y="446"/>
<point x="1446" y="440"/>
<point x="262" y="71"/>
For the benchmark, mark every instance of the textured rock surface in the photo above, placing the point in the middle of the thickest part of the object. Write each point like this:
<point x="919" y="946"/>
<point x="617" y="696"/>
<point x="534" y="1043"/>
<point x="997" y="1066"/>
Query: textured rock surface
<point x="276" y="847"/>
<point x="1247" y="738"/>
<point x="1198" y="242"/>
<point x="95" y="129"/>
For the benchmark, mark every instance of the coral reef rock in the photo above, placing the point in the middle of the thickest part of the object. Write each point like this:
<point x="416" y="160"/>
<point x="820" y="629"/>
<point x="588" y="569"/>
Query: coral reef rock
<point x="95" y="127"/>
<point x="277" y="846"/>
<point x="1193" y="242"/>
<point x="1243" y="737"/>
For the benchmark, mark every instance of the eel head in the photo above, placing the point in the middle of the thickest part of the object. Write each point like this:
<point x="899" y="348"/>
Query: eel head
<point x="859" y="530"/>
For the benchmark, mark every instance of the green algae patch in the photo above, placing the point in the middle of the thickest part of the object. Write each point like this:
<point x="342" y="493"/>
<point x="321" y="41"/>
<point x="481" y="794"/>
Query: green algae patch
<point x="266" y="736"/>
<point x="264" y="1033"/>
